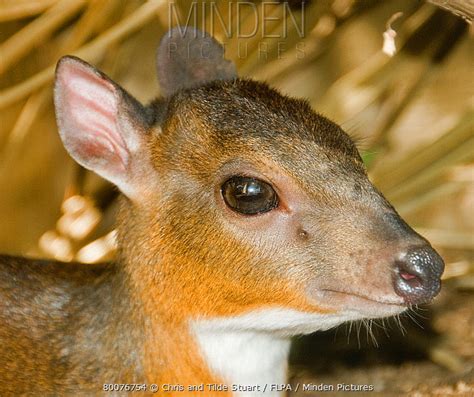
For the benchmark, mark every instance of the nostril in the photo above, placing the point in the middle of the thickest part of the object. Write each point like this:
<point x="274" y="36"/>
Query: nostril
<point x="411" y="279"/>
<point x="407" y="276"/>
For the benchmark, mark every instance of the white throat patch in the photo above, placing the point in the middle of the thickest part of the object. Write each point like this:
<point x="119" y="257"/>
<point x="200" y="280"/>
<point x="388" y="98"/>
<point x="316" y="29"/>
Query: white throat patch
<point x="251" y="350"/>
<point x="249" y="362"/>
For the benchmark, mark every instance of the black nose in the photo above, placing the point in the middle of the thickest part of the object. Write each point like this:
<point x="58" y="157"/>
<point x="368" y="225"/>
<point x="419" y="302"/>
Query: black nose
<point x="417" y="276"/>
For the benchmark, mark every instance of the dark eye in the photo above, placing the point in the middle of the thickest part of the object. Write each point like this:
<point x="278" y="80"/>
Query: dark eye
<point x="249" y="195"/>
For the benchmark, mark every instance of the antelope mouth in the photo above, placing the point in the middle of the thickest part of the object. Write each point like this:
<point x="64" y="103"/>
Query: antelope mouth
<point x="366" y="305"/>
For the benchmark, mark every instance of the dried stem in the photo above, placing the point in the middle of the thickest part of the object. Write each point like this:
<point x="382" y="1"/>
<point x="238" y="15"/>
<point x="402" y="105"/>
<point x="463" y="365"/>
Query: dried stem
<point x="89" y="21"/>
<point x="91" y="52"/>
<point x="13" y="10"/>
<point x="339" y="93"/>
<point x="22" y="42"/>
<point x="437" y="193"/>
<point x="33" y="106"/>
<point x="420" y="167"/>
<point x="448" y="238"/>
<point x="462" y="8"/>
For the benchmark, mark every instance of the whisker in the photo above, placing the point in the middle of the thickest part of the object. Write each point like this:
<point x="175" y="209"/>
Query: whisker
<point x="374" y="337"/>
<point x="385" y="329"/>
<point x="350" y="330"/>
<point x="359" y="325"/>
<point x="416" y="311"/>
<point x="410" y="315"/>
<point x="400" y="325"/>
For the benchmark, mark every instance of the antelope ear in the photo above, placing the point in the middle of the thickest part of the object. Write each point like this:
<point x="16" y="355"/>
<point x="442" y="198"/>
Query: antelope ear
<point x="101" y="126"/>
<point x="188" y="57"/>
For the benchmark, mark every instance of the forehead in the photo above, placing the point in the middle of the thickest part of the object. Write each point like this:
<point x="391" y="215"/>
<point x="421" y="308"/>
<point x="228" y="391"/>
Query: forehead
<point x="249" y="120"/>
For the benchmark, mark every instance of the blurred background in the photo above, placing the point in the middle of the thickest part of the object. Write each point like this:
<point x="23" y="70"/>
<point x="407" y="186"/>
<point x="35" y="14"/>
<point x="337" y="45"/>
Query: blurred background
<point x="397" y="75"/>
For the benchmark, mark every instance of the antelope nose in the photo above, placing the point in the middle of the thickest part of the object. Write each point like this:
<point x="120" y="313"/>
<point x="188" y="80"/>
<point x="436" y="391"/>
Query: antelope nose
<point x="418" y="275"/>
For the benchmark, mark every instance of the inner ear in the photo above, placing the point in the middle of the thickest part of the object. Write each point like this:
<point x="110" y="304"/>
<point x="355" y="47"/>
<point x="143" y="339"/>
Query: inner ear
<point x="87" y="108"/>
<point x="99" y="123"/>
<point x="188" y="57"/>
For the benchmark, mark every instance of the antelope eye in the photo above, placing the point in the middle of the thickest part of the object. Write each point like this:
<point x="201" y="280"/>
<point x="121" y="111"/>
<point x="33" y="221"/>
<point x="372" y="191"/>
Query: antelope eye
<point x="249" y="196"/>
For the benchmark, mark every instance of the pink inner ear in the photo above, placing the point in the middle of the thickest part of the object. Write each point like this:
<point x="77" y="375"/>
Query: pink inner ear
<point x="89" y="119"/>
